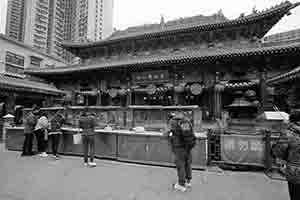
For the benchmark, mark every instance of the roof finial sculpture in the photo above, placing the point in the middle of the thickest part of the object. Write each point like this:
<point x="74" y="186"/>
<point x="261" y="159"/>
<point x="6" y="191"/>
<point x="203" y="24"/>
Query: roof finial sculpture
<point x="254" y="10"/>
<point x="162" y="21"/>
<point x="220" y="13"/>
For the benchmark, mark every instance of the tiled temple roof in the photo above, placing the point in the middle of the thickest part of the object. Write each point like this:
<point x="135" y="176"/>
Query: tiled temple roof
<point x="173" y="24"/>
<point x="154" y="31"/>
<point x="210" y="55"/>
<point x="289" y="76"/>
<point x="23" y="85"/>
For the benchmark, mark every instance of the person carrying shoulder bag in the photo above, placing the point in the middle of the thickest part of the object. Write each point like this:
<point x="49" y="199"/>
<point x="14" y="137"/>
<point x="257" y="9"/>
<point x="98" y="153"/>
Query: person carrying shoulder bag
<point x="55" y="132"/>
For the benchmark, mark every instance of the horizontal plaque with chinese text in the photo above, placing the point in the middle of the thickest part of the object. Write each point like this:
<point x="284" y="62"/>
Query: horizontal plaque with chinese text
<point x="150" y="76"/>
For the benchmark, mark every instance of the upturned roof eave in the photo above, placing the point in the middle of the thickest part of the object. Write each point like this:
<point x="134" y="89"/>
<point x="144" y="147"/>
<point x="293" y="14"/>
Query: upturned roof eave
<point x="286" y="77"/>
<point x="72" y="46"/>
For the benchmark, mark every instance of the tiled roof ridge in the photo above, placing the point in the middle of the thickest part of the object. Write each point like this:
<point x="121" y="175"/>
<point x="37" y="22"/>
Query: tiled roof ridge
<point x="286" y="5"/>
<point x="285" y="77"/>
<point x="28" y="84"/>
<point x="197" y="55"/>
<point x="171" y="23"/>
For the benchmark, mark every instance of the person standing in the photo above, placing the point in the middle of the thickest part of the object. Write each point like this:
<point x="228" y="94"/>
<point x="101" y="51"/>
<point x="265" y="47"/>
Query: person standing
<point x="29" y="125"/>
<point x="87" y="124"/>
<point x="55" y="131"/>
<point x="41" y="132"/>
<point x="288" y="149"/>
<point x="182" y="140"/>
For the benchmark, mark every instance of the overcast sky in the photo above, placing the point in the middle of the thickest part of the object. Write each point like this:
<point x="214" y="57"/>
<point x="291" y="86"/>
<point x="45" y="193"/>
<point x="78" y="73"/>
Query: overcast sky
<point x="137" y="12"/>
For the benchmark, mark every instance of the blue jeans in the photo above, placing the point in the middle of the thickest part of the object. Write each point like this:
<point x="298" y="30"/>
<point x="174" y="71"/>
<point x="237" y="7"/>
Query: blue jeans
<point x="88" y="147"/>
<point x="183" y="161"/>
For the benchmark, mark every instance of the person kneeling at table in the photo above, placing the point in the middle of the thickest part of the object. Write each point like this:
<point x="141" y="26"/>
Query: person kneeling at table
<point x="87" y="124"/>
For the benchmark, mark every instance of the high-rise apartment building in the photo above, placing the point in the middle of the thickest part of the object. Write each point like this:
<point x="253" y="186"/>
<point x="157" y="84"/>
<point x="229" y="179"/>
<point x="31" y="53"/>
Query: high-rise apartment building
<point x="56" y="27"/>
<point x="288" y="36"/>
<point x="45" y="21"/>
<point x="37" y="23"/>
<point x="15" y="23"/>
<point x="45" y="24"/>
<point x="94" y="19"/>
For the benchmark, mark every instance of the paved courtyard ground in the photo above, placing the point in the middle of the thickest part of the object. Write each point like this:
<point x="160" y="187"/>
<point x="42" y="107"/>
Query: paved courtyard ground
<point x="34" y="178"/>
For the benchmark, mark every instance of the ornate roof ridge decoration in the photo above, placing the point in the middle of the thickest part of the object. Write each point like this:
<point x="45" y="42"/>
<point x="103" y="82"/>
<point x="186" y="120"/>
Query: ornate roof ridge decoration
<point x="282" y="8"/>
<point x="197" y="56"/>
<point x="23" y="85"/>
<point x="291" y="75"/>
<point x="193" y="20"/>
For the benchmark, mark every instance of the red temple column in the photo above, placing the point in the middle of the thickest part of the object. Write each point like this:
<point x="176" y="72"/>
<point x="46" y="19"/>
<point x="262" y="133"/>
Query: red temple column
<point x="263" y="89"/>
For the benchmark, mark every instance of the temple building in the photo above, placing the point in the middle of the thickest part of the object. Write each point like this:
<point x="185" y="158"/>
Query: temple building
<point x="218" y="65"/>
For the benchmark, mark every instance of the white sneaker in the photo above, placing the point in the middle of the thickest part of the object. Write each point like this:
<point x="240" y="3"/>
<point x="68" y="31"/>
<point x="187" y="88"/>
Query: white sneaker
<point x="92" y="164"/>
<point x="188" y="184"/>
<point x="44" y="154"/>
<point x="179" y="187"/>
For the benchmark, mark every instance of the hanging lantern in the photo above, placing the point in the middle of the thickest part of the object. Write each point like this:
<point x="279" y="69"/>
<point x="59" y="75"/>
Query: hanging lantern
<point x="113" y="92"/>
<point x="80" y="99"/>
<point x="168" y="86"/>
<point x="219" y="87"/>
<point x="122" y="91"/>
<point x="271" y="90"/>
<point x="67" y="97"/>
<point x="179" y="89"/>
<point x="151" y="89"/>
<point x="250" y="93"/>
<point x="196" y="89"/>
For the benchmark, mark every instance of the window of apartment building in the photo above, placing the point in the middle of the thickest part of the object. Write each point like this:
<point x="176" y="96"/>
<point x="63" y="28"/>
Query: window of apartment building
<point x="14" y="69"/>
<point x="35" y="61"/>
<point x="14" y="63"/>
<point x="14" y="59"/>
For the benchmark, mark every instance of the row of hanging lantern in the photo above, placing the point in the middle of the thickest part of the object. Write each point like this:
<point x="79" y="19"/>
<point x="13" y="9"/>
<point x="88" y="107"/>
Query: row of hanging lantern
<point x="194" y="89"/>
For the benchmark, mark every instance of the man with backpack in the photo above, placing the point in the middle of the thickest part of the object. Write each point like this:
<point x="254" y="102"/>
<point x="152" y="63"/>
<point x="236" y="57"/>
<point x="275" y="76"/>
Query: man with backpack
<point x="182" y="140"/>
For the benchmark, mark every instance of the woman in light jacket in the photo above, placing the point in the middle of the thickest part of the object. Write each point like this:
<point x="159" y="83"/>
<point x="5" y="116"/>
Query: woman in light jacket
<point x="41" y="132"/>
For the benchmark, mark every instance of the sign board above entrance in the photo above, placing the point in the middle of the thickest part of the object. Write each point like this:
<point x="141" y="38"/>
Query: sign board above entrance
<point x="150" y="76"/>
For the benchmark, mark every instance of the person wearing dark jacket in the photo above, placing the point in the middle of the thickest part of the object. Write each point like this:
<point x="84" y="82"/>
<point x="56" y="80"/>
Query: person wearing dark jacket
<point x="182" y="150"/>
<point x="29" y="125"/>
<point x="288" y="149"/>
<point x="87" y="124"/>
<point x="56" y="122"/>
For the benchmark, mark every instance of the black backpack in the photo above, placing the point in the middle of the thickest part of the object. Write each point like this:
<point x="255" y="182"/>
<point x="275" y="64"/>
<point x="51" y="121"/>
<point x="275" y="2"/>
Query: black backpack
<point x="187" y="134"/>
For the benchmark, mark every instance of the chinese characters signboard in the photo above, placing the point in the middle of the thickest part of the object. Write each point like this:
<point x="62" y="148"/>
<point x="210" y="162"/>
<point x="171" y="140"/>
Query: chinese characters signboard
<point x="242" y="149"/>
<point x="150" y="76"/>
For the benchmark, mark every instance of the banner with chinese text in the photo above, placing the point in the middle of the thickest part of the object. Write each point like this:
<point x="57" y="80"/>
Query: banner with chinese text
<point x="242" y="149"/>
